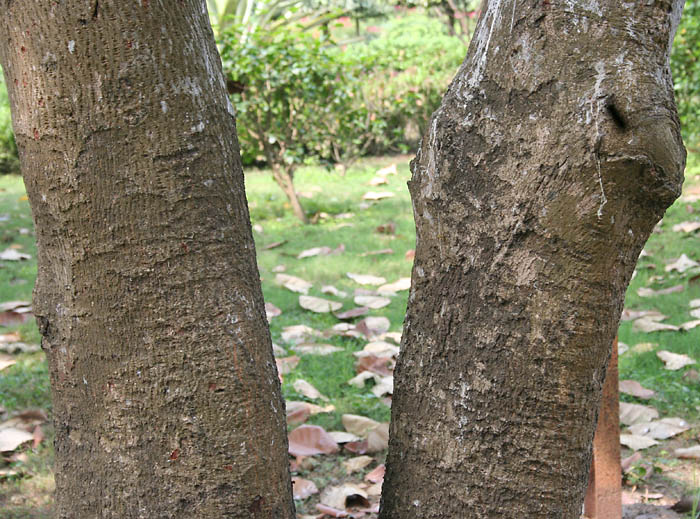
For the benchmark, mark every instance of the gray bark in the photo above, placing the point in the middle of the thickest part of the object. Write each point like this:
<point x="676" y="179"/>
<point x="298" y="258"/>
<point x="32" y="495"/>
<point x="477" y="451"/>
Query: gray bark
<point x="165" y="391"/>
<point x="553" y="155"/>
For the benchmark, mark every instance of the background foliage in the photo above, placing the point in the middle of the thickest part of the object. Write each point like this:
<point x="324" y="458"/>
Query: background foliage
<point x="8" y="150"/>
<point x="685" y="65"/>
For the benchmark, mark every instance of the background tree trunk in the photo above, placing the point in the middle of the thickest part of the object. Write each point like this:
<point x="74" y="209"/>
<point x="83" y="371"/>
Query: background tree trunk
<point x="554" y="153"/>
<point x="166" y="397"/>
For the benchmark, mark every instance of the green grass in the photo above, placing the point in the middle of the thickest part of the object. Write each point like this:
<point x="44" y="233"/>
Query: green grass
<point x="675" y="395"/>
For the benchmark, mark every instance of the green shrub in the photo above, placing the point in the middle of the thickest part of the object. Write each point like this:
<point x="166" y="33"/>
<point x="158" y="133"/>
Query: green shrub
<point x="407" y="70"/>
<point x="8" y="149"/>
<point x="685" y="64"/>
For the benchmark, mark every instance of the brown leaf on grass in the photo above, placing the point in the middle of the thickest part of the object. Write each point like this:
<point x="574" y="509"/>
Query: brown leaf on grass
<point x="389" y="170"/>
<point x="660" y="429"/>
<point x="17" y="306"/>
<point x="274" y="245"/>
<point x="10" y="337"/>
<point x="271" y="311"/>
<point x="359" y="380"/>
<point x="410" y="254"/>
<point x="303" y="488"/>
<point x="372" y="327"/>
<point x="356" y="447"/>
<point x="11" y="318"/>
<point x="380" y="365"/>
<point x="305" y="388"/>
<point x="674" y="361"/>
<point x="309" y="348"/>
<point x="309" y="440"/>
<point x="385" y="386"/>
<point x="631" y="315"/>
<point x="378" y="438"/>
<point x="686" y="227"/>
<point x="18" y="347"/>
<point x="330" y="289"/>
<point x="359" y="425"/>
<point x="631" y="414"/>
<point x="299" y="333"/>
<point x="377" y="181"/>
<point x="649" y="292"/>
<point x="319" y="305"/>
<point x="396" y="286"/>
<point x="38" y="436"/>
<point x="643" y="347"/>
<point x="343" y="437"/>
<point x="13" y="255"/>
<point x="6" y="361"/>
<point x="378" y="349"/>
<point x="344" y="496"/>
<point x="647" y="325"/>
<point x="285" y="365"/>
<point x="690" y="325"/>
<point x="386" y="228"/>
<point x="377" y="475"/>
<point x="377" y="195"/>
<point x="298" y="412"/>
<point x="330" y="511"/>
<point x="373" y="302"/>
<point x="682" y="264"/>
<point x="357" y="463"/>
<point x="358" y="311"/>
<point x="377" y="252"/>
<point x="279" y="268"/>
<point x="293" y="283"/>
<point x="634" y="388"/>
<point x="11" y="438"/>
<point x="690" y="453"/>
<point x="366" y="279"/>
<point x="315" y="251"/>
<point x="636" y="442"/>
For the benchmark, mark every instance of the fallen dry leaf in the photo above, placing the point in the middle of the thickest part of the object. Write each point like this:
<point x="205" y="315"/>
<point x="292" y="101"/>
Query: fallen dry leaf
<point x="293" y="283"/>
<point x="357" y="463"/>
<point x="305" y="388"/>
<point x="690" y="325"/>
<point x="343" y="437"/>
<point x="274" y="245"/>
<point x="366" y="279"/>
<point x="660" y="429"/>
<point x="279" y="268"/>
<point x="380" y="365"/>
<point x="6" y="361"/>
<point x="330" y="511"/>
<point x="11" y="438"/>
<point x="18" y="347"/>
<point x="631" y="315"/>
<point x="359" y="380"/>
<point x="11" y="318"/>
<point x="377" y="181"/>
<point x="372" y="327"/>
<point x="635" y="442"/>
<point x="356" y="447"/>
<point x="690" y="453"/>
<point x="344" y="496"/>
<point x="13" y="255"/>
<point x="378" y="349"/>
<point x="310" y="348"/>
<point x="271" y="311"/>
<point x="378" y="438"/>
<point x="634" y="388"/>
<point x="686" y="227"/>
<point x="359" y="425"/>
<point x="18" y="306"/>
<point x="298" y="412"/>
<point x="377" y="195"/>
<point x="309" y="440"/>
<point x="631" y="414"/>
<point x="386" y="228"/>
<point x="303" y="488"/>
<point x="629" y="461"/>
<point x="695" y="313"/>
<point x="299" y="333"/>
<point x="330" y="289"/>
<point x="649" y="292"/>
<point x="389" y="170"/>
<point x="10" y="337"/>
<point x="674" y="361"/>
<point x="353" y="312"/>
<point x="373" y="302"/>
<point x="285" y="365"/>
<point x="376" y="475"/>
<point x="319" y="305"/>
<point x="682" y="264"/>
<point x="385" y="386"/>
<point x="377" y="252"/>
<point x="396" y="286"/>
<point x="643" y="347"/>
<point x="647" y="325"/>
<point x="315" y="251"/>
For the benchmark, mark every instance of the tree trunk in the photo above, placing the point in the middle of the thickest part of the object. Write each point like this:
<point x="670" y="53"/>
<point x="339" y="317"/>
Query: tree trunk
<point x="166" y="397"/>
<point x="554" y="153"/>
<point x="285" y="181"/>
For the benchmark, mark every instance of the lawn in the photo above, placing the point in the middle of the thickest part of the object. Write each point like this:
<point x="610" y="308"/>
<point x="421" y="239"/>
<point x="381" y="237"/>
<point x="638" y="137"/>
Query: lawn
<point x="363" y="237"/>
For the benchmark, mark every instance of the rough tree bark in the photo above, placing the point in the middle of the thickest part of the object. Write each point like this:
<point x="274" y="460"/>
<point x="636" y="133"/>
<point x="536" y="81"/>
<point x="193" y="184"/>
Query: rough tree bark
<point x="554" y="153"/>
<point x="166" y="398"/>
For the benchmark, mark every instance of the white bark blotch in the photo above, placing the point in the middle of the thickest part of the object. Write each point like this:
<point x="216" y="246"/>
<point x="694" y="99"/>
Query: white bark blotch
<point x="71" y="46"/>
